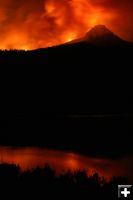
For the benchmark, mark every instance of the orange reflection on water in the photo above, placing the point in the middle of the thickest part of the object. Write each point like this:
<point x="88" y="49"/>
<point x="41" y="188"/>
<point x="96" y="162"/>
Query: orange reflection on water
<point x="30" y="157"/>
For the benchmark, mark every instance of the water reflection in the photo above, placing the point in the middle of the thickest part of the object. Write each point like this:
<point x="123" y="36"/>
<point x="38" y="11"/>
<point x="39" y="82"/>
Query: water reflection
<point x="30" y="157"/>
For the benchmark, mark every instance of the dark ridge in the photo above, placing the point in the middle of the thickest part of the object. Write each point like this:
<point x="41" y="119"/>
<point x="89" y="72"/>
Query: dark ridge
<point x="73" y="78"/>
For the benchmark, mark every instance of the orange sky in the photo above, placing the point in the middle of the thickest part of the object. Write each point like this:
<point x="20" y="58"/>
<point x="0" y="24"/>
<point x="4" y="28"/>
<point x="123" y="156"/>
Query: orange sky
<point x="30" y="24"/>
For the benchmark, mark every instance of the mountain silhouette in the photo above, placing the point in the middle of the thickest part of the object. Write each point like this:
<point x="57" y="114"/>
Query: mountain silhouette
<point x="100" y="35"/>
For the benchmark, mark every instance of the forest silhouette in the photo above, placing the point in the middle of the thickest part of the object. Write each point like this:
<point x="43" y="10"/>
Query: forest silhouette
<point x="44" y="93"/>
<point x="44" y="183"/>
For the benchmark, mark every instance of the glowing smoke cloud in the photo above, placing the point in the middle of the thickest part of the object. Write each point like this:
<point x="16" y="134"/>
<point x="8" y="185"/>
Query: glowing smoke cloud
<point x="33" y="24"/>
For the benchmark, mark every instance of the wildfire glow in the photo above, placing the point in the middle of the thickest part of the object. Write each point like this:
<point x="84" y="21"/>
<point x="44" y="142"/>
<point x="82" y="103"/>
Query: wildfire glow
<point x="28" y="158"/>
<point x="35" y="24"/>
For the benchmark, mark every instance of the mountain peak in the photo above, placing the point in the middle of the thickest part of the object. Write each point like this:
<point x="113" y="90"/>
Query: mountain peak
<point x="99" y="31"/>
<point x="100" y="35"/>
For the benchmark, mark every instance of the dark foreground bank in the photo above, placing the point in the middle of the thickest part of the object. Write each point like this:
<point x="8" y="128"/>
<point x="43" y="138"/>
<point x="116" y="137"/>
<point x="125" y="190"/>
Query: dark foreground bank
<point x="43" y="183"/>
